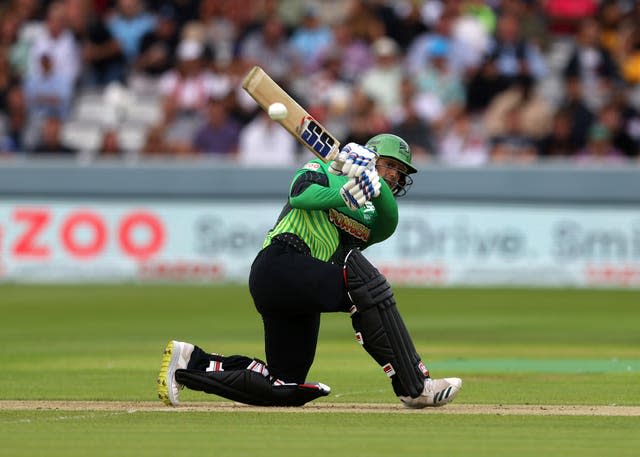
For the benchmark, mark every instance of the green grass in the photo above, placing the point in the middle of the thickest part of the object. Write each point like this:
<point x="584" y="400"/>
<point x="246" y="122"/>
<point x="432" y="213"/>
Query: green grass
<point x="511" y="346"/>
<point x="249" y="434"/>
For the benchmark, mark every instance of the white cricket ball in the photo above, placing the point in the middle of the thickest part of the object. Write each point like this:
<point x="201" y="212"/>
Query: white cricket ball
<point x="277" y="111"/>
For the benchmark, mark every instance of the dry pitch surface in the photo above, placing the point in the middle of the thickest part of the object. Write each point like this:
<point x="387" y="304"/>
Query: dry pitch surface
<point x="362" y="408"/>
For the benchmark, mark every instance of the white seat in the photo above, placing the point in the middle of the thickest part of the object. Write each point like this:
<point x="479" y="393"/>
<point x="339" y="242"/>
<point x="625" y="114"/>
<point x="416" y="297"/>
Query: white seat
<point x="92" y="108"/>
<point x="144" y="110"/>
<point x="82" y="135"/>
<point x="132" y="137"/>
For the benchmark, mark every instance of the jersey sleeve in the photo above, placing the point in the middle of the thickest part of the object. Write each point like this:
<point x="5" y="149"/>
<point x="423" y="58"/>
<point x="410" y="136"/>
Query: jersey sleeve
<point x="387" y="215"/>
<point x="311" y="190"/>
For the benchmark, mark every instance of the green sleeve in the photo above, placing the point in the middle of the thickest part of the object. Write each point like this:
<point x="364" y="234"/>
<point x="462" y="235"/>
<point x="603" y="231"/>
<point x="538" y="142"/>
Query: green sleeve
<point x="387" y="215"/>
<point x="317" y="197"/>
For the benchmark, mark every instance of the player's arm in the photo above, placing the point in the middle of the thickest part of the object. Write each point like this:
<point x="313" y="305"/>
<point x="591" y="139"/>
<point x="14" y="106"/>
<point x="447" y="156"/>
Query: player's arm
<point x="387" y="215"/>
<point x="311" y="190"/>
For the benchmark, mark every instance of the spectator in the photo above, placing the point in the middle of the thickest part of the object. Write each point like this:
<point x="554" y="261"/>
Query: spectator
<point x="110" y="144"/>
<point x="58" y="42"/>
<point x="581" y="115"/>
<point x="184" y="11"/>
<point x="533" y="23"/>
<point x="28" y="10"/>
<point x="7" y="79"/>
<point x="610" y="17"/>
<point x="262" y="135"/>
<point x="365" y="121"/>
<point x="48" y="91"/>
<point x="630" y="119"/>
<point x="185" y="92"/>
<point x="356" y="55"/>
<point x="51" y="139"/>
<point x="269" y="48"/>
<point x="326" y="93"/>
<point x="102" y="55"/>
<point x="559" y="143"/>
<point x="514" y="56"/>
<point x="402" y="24"/>
<point x="128" y="25"/>
<point x="363" y="21"/>
<point x="599" y="149"/>
<point x="411" y="126"/>
<point x="221" y="32"/>
<point x="484" y="84"/>
<point x="592" y="64"/>
<point x="463" y="143"/>
<point x="382" y="82"/>
<point x="418" y="51"/>
<point x="619" y="118"/>
<point x="16" y="50"/>
<point x="154" y="144"/>
<point x="219" y="135"/>
<point x="534" y="109"/>
<point x="157" y="51"/>
<point x="470" y="37"/>
<point x="513" y="145"/>
<point x="628" y="55"/>
<point x="310" y="40"/>
<point x="441" y="91"/>
<point x="482" y="12"/>
<point x="17" y="125"/>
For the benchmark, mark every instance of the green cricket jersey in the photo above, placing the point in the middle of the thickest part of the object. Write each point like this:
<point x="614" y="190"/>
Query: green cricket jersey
<point x="316" y="213"/>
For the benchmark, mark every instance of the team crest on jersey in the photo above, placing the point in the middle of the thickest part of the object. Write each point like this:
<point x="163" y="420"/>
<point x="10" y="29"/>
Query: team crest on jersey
<point x="312" y="166"/>
<point x="351" y="226"/>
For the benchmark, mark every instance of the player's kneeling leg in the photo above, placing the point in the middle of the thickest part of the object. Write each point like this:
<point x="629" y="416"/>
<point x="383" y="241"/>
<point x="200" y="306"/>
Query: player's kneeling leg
<point x="252" y="385"/>
<point x="381" y="330"/>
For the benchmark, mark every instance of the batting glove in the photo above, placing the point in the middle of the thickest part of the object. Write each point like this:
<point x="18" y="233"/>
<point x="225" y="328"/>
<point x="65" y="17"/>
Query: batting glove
<point x="357" y="191"/>
<point x="369" y="183"/>
<point x="352" y="160"/>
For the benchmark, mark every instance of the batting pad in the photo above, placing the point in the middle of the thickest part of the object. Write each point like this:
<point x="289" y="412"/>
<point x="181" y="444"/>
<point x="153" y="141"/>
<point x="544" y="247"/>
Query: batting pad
<point x="379" y="326"/>
<point x="251" y="388"/>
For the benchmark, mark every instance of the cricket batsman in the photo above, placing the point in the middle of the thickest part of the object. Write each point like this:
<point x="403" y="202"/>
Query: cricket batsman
<point x="311" y="263"/>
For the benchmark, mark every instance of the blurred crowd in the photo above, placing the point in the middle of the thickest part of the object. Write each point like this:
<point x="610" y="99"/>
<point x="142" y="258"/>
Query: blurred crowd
<point x="465" y="82"/>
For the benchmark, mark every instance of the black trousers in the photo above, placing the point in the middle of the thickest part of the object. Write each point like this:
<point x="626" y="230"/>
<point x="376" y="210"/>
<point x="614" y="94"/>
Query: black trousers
<point x="290" y="290"/>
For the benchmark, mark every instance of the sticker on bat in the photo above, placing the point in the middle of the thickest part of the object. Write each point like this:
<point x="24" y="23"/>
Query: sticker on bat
<point x="317" y="138"/>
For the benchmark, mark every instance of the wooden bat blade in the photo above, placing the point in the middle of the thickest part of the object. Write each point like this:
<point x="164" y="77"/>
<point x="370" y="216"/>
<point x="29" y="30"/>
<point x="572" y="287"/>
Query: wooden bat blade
<point x="298" y="122"/>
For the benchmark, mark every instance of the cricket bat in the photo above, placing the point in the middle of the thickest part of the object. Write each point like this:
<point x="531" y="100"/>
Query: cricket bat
<point x="298" y="122"/>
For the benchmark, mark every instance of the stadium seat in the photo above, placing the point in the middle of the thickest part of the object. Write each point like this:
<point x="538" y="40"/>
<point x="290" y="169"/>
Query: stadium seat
<point x="90" y="107"/>
<point x="132" y="137"/>
<point x="82" y="135"/>
<point x="145" y="110"/>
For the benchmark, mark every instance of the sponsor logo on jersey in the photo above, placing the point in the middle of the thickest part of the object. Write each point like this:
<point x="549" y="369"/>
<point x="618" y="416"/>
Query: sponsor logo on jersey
<point x="312" y="166"/>
<point x="351" y="226"/>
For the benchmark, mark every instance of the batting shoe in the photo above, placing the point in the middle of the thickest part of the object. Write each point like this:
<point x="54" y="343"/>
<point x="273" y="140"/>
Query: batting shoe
<point x="437" y="392"/>
<point x="176" y="355"/>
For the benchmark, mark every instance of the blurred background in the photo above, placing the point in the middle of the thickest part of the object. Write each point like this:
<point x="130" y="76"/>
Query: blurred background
<point x="128" y="150"/>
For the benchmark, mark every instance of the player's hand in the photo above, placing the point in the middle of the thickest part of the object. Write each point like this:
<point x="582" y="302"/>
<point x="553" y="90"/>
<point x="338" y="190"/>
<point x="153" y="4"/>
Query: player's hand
<point x="359" y="190"/>
<point x="352" y="160"/>
<point x="348" y="193"/>
<point x="369" y="183"/>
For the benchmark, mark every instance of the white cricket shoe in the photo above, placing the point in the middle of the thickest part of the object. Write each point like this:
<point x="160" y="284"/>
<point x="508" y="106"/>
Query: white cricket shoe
<point x="437" y="392"/>
<point x="176" y="355"/>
